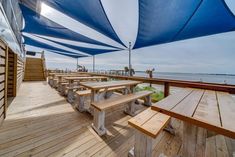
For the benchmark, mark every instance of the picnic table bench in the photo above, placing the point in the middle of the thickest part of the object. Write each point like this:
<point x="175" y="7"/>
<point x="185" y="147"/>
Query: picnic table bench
<point x="101" y="106"/>
<point x="55" y="79"/>
<point x="96" y="86"/>
<point x="200" y="110"/>
<point x="71" y="86"/>
<point x="83" y="97"/>
<point x="148" y="124"/>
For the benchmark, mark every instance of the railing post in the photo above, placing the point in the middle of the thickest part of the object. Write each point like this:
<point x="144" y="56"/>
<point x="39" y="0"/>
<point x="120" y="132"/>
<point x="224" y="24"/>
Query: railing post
<point x="166" y="89"/>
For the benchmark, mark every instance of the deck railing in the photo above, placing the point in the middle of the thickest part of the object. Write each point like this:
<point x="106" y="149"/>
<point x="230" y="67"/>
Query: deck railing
<point x="176" y="83"/>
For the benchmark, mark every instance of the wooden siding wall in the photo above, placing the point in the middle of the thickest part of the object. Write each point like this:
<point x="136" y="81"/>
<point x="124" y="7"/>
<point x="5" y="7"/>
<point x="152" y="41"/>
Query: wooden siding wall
<point x="11" y="92"/>
<point x="3" y="80"/>
<point x="20" y="72"/>
<point x="15" y="73"/>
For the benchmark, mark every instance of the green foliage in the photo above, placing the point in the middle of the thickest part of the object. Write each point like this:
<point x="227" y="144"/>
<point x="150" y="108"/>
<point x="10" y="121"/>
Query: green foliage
<point x="156" y="96"/>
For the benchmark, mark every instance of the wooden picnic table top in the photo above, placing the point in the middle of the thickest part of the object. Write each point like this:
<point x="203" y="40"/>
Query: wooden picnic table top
<point x="71" y="75"/>
<point x="212" y="110"/>
<point x="52" y="74"/>
<point x="109" y="84"/>
<point x="84" y="77"/>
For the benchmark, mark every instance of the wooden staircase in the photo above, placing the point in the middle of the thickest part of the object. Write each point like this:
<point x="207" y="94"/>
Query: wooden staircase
<point x="34" y="69"/>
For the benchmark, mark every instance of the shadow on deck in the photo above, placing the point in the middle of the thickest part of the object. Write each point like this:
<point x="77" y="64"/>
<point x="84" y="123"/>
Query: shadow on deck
<point x="41" y="123"/>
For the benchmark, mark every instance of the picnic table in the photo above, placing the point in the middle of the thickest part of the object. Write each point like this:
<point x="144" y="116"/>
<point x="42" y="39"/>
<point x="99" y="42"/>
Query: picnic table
<point x="96" y="86"/>
<point x="83" y="78"/>
<point x="200" y="110"/>
<point x="72" y="86"/>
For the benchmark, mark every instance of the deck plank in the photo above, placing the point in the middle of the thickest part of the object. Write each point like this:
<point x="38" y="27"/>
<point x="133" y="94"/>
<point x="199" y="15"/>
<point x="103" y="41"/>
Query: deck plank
<point x="227" y="109"/>
<point x="207" y="109"/>
<point x="40" y="123"/>
<point x="188" y="105"/>
<point x="172" y="100"/>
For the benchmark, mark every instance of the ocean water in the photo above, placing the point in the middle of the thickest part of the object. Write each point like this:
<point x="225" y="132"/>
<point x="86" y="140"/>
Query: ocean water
<point x="209" y="78"/>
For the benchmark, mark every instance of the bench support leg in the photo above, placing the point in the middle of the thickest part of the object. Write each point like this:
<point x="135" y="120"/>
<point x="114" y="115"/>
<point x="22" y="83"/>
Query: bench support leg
<point x="142" y="147"/>
<point x="169" y="128"/>
<point x="62" y="90"/>
<point x="98" y="122"/>
<point x="70" y="96"/>
<point x="130" y="109"/>
<point x="108" y="94"/>
<point x="54" y="82"/>
<point x="194" y="140"/>
<point x="80" y="102"/>
<point x="148" y="101"/>
<point x="50" y="82"/>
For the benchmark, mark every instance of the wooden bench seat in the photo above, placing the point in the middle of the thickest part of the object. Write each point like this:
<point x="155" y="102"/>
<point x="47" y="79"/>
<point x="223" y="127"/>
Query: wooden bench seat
<point x="106" y="104"/>
<point x="101" y="106"/>
<point x="81" y="95"/>
<point x="148" y="124"/>
<point x="61" y="86"/>
<point x="64" y="83"/>
<point x="88" y="92"/>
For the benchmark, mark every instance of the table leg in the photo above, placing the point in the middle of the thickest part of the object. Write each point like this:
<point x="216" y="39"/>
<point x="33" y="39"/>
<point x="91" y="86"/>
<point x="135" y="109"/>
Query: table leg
<point x="194" y="140"/>
<point x="130" y="109"/>
<point x="70" y="96"/>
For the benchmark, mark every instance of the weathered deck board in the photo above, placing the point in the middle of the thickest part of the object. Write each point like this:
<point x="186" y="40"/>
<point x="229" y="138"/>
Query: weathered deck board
<point x="41" y="123"/>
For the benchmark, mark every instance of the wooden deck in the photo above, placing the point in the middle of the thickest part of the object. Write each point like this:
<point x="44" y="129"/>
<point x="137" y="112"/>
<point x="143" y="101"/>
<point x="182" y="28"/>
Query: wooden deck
<point x="41" y="123"/>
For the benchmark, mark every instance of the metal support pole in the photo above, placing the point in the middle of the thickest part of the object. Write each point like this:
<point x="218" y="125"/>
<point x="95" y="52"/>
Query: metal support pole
<point x="93" y="63"/>
<point x="130" y="68"/>
<point x="77" y="64"/>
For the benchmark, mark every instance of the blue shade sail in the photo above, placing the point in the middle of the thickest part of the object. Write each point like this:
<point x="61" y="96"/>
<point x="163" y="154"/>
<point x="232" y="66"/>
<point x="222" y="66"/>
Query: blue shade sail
<point x="163" y="21"/>
<point x="37" y="24"/>
<point x="88" y="12"/>
<point x="36" y="43"/>
<point x="65" y="54"/>
<point x="90" y="51"/>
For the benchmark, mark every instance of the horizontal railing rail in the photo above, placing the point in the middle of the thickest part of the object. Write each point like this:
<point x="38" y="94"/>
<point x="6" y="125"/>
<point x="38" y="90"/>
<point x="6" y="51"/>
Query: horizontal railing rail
<point x="176" y="83"/>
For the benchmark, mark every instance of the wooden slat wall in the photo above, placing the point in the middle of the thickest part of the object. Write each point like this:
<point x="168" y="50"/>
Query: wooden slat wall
<point x="11" y="92"/>
<point x="20" y="72"/>
<point x="3" y="80"/>
<point x="15" y="73"/>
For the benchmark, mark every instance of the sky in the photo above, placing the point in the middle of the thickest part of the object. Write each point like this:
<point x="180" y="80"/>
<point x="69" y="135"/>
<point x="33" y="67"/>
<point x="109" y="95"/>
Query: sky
<point x="211" y="54"/>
